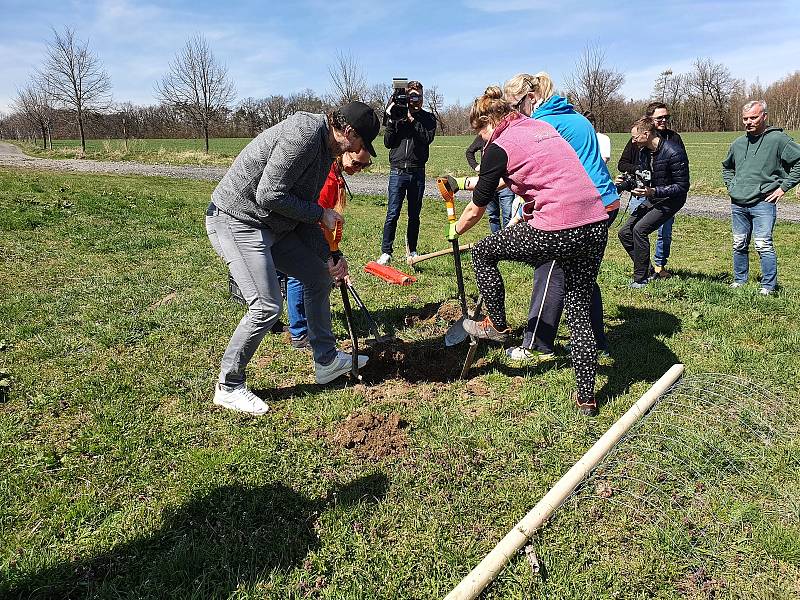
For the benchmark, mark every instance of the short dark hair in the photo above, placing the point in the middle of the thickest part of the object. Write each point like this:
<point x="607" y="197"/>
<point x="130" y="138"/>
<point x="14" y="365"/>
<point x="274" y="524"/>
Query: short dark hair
<point x="337" y="121"/>
<point x="645" y="124"/>
<point x="414" y="85"/>
<point x="653" y="107"/>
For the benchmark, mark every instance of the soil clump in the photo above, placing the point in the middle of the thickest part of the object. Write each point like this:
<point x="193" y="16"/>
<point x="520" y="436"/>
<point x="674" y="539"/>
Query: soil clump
<point x="372" y="436"/>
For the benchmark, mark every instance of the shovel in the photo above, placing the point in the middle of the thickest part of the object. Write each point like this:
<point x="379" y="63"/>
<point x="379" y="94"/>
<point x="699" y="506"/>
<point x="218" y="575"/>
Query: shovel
<point x="456" y="333"/>
<point x="333" y="237"/>
<point x="377" y="338"/>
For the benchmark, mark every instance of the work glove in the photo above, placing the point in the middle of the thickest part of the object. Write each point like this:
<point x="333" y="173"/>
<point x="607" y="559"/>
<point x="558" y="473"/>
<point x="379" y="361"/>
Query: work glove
<point x="456" y="184"/>
<point x="452" y="234"/>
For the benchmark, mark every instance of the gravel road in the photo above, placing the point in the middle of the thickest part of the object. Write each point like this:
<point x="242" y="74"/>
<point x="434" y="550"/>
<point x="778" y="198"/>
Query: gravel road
<point x="11" y="156"/>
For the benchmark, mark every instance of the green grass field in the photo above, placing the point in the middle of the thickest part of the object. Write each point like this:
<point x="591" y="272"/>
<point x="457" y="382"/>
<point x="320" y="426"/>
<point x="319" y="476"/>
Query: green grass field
<point x="120" y="480"/>
<point x="706" y="152"/>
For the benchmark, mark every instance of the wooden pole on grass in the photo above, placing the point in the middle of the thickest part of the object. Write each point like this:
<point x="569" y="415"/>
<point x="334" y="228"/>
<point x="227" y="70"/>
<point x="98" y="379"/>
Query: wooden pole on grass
<point x="474" y="583"/>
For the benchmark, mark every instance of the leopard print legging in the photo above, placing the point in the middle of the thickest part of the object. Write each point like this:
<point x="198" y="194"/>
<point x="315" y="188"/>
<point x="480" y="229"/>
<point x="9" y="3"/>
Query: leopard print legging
<point x="578" y="251"/>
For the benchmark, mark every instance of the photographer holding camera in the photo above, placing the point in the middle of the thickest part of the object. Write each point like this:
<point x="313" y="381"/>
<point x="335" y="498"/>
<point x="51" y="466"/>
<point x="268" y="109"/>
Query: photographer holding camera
<point x="408" y="135"/>
<point x="662" y="179"/>
<point x="628" y="163"/>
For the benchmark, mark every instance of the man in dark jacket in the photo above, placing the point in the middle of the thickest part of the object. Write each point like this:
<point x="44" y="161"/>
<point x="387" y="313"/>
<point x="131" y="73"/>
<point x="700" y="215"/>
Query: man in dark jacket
<point x="663" y="181"/>
<point x="408" y="140"/>
<point x="760" y="168"/>
<point x="628" y="163"/>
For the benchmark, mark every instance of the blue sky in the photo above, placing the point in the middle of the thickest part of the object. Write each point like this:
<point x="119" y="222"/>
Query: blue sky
<point x="280" y="46"/>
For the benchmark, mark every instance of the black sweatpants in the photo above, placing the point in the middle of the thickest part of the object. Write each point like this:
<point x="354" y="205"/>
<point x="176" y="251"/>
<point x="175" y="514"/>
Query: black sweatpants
<point x="578" y="251"/>
<point x="634" y="235"/>
<point x="547" y="304"/>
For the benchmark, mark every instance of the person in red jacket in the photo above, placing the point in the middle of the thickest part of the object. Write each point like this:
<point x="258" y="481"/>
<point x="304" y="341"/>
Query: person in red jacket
<point x="332" y="196"/>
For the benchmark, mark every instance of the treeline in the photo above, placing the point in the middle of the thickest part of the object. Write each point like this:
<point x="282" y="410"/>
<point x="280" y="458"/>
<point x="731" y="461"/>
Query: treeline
<point x="70" y="96"/>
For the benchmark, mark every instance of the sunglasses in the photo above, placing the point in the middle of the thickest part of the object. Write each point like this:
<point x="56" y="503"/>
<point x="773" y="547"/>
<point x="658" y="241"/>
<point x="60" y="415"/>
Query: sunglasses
<point x="518" y="105"/>
<point x="362" y="165"/>
<point x="662" y="118"/>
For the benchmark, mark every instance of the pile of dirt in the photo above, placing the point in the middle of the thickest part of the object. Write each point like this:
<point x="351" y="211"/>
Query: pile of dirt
<point x="372" y="436"/>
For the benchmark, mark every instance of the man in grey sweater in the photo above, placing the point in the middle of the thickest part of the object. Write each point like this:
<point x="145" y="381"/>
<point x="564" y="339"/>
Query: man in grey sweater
<point x="264" y="218"/>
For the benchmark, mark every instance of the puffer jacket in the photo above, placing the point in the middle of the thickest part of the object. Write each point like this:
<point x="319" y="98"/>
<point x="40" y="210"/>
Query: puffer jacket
<point x="669" y="173"/>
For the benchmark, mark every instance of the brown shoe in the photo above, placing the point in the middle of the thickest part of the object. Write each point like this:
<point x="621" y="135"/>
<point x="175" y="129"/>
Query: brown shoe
<point x="588" y="408"/>
<point x="485" y="330"/>
<point x="662" y="273"/>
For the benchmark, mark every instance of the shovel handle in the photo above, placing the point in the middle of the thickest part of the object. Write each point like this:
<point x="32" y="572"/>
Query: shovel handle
<point x="449" y="198"/>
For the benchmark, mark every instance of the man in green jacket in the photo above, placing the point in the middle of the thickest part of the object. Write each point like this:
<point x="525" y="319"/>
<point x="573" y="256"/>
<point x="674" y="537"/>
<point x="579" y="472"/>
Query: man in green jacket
<point x="760" y="168"/>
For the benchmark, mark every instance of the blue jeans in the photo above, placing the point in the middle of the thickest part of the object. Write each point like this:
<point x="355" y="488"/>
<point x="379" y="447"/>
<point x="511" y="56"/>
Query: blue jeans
<point x="410" y="183"/>
<point x="499" y="209"/>
<point x="295" y="308"/>
<point x="757" y="222"/>
<point x="664" y="242"/>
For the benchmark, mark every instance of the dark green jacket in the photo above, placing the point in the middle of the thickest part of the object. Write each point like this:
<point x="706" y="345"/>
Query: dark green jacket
<point x="756" y="167"/>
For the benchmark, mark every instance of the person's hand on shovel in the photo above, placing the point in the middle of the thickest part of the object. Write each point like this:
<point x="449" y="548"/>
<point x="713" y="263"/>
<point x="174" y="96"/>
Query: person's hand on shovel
<point x="456" y="184"/>
<point x="330" y="218"/>
<point x="452" y="232"/>
<point x="338" y="268"/>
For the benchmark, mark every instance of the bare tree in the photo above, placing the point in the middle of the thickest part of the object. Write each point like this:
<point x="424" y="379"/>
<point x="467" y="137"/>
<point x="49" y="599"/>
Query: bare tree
<point x="75" y="77"/>
<point x="276" y="108"/>
<point x="660" y="89"/>
<point x="378" y="96"/>
<point x="308" y="101"/>
<point x="783" y="99"/>
<point x="126" y="115"/>
<point x="348" y="80"/>
<point x="435" y="103"/>
<point x="35" y="104"/>
<point x="197" y="85"/>
<point x="710" y="86"/>
<point x="592" y="85"/>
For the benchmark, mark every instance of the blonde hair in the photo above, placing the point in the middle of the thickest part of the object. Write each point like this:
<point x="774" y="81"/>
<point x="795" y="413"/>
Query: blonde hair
<point x="522" y="84"/>
<point x="488" y="108"/>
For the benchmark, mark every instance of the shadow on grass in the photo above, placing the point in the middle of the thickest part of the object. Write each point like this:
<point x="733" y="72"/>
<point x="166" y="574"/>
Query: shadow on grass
<point x="390" y="320"/>
<point x="717" y="277"/>
<point x="637" y="349"/>
<point x="639" y="353"/>
<point x="229" y="537"/>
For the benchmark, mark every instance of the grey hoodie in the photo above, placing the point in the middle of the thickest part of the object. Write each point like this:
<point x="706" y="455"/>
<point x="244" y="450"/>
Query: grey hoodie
<point x="275" y="181"/>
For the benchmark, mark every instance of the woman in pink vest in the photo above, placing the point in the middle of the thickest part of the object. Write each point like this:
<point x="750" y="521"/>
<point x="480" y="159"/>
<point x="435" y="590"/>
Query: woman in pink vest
<point x="563" y="221"/>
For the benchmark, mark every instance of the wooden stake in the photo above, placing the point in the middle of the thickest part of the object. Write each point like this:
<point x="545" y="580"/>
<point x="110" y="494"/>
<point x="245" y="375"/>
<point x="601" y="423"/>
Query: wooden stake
<point x="474" y="583"/>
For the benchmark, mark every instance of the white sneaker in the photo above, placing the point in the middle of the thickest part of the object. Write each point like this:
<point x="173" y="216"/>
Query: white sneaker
<point x="736" y="284"/>
<point x="520" y="353"/>
<point x="766" y="292"/>
<point x="384" y="259"/>
<point x="339" y="366"/>
<point x="412" y="255"/>
<point x="241" y="399"/>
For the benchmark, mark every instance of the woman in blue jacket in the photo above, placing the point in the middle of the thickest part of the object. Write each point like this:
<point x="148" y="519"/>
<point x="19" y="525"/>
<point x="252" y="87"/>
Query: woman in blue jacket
<point x="533" y="95"/>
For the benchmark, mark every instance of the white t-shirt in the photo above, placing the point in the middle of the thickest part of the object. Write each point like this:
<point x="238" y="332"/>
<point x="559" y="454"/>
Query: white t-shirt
<point x="605" y="146"/>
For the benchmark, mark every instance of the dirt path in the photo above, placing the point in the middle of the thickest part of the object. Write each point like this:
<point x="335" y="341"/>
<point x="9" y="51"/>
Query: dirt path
<point x="10" y="156"/>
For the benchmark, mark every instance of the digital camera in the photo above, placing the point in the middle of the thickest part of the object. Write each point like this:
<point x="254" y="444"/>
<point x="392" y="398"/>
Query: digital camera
<point x="640" y="179"/>
<point x="399" y="109"/>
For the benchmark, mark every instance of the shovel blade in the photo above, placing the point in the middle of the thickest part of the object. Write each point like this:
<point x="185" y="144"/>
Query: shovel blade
<point x="455" y="334"/>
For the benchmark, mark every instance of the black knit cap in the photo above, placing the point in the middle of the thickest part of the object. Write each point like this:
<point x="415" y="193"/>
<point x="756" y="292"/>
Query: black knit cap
<point x="364" y="120"/>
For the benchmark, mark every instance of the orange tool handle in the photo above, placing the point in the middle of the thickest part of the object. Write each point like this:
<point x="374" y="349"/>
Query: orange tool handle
<point x="449" y="198"/>
<point x="333" y="237"/>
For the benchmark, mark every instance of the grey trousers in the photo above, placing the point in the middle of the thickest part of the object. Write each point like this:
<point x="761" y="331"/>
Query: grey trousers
<point x="254" y="256"/>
